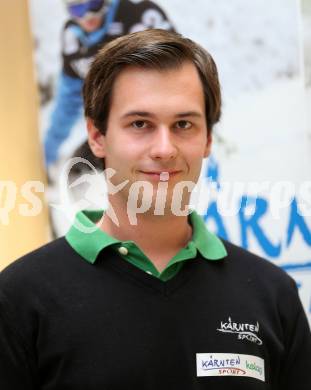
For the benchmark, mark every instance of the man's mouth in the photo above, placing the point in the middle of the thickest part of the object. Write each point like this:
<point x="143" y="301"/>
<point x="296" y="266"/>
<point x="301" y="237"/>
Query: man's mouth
<point x="164" y="175"/>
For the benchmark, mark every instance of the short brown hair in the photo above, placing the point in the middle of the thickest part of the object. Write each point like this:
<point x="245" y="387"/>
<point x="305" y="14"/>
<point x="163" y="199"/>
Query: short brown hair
<point x="152" y="49"/>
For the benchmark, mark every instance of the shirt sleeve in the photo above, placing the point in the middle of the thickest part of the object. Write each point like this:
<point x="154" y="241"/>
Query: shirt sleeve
<point x="16" y="363"/>
<point x="296" y="372"/>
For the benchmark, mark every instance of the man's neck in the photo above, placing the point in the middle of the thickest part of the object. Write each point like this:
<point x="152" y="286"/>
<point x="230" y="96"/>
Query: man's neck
<point x="160" y="237"/>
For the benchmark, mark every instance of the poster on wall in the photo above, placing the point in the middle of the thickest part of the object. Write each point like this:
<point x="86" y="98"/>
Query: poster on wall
<point x="255" y="189"/>
<point x="306" y="34"/>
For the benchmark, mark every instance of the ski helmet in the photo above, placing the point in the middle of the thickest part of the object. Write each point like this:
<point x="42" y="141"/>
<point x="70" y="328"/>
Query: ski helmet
<point x="79" y="8"/>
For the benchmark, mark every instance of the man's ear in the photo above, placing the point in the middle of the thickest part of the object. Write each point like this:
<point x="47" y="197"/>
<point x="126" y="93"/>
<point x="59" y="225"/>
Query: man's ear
<point x="208" y="145"/>
<point x="96" y="139"/>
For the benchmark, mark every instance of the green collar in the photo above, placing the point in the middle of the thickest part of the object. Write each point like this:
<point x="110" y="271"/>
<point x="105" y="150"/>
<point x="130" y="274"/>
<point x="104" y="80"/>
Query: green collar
<point x="88" y="240"/>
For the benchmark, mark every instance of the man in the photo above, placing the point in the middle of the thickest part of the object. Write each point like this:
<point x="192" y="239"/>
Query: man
<point x="92" y="23"/>
<point x="145" y="297"/>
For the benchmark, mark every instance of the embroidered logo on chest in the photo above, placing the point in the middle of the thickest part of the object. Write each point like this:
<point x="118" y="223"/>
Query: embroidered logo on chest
<point x="244" y="331"/>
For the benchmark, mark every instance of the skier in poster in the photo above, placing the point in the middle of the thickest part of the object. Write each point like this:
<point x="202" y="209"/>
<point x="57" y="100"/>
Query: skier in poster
<point x="92" y="23"/>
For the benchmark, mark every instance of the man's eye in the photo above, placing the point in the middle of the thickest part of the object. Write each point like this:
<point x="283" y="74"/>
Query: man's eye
<point x="139" y="124"/>
<point x="183" y="124"/>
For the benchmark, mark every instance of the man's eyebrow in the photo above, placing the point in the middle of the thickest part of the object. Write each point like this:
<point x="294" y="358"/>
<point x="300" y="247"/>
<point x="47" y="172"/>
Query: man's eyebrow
<point x="138" y="113"/>
<point x="147" y="114"/>
<point x="189" y="113"/>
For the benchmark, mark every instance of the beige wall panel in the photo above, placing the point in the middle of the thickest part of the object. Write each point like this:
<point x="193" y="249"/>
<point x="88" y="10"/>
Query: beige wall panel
<point x="21" y="157"/>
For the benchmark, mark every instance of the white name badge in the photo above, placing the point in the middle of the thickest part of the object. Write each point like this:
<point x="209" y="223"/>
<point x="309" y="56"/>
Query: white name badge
<point x="228" y="364"/>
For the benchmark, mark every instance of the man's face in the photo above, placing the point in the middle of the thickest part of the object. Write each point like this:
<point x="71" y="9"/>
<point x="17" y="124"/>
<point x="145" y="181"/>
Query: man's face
<point x="90" y="23"/>
<point x="156" y="124"/>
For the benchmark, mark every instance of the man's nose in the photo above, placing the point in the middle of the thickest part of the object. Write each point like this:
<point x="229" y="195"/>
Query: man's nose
<point x="164" y="146"/>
